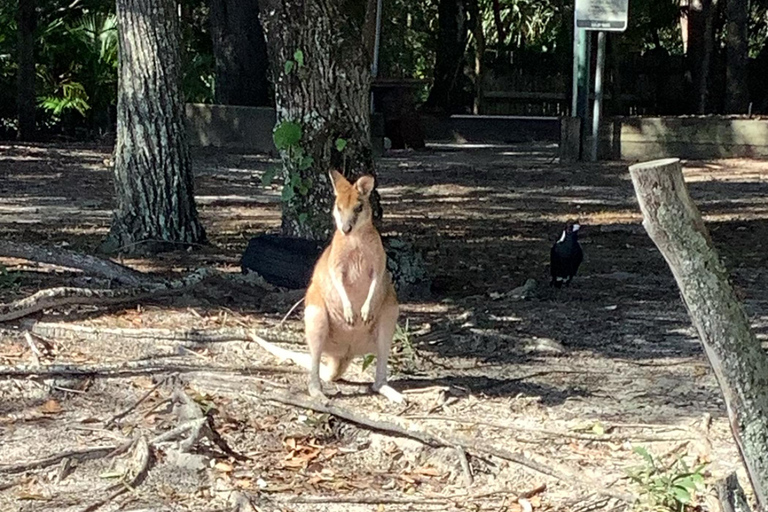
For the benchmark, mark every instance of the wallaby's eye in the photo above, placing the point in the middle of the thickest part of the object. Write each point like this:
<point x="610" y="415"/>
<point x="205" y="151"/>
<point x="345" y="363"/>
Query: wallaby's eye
<point x="359" y="208"/>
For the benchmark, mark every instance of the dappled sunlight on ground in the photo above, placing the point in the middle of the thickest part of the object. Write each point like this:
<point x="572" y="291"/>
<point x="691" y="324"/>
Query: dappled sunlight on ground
<point x="615" y="348"/>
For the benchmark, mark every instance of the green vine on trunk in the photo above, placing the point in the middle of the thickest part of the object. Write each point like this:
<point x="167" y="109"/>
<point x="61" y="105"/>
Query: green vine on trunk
<point x="288" y="136"/>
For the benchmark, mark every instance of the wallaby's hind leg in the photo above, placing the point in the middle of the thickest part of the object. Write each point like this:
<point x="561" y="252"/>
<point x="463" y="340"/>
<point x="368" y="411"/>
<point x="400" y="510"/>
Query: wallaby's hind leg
<point x="316" y="331"/>
<point x="385" y="331"/>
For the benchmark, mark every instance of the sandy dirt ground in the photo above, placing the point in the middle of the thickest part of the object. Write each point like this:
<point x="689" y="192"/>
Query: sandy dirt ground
<point x="569" y="379"/>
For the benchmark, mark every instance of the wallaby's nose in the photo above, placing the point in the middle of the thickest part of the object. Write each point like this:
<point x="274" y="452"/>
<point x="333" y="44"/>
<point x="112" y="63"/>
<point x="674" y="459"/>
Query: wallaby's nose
<point x="346" y="228"/>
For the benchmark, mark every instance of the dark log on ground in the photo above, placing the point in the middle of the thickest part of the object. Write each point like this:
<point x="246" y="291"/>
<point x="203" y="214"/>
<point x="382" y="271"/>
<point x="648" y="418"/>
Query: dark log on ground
<point x="282" y="260"/>
<point x="288" y="262"/>
<point x="741" y="366"/>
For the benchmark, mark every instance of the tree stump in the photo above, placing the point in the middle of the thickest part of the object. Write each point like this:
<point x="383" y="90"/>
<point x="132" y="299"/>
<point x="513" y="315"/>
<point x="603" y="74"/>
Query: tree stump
<point x="741" y="366"/>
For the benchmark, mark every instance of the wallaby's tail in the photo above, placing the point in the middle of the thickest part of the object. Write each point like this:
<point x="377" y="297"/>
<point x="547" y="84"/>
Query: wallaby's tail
<point x="302" y="359"/>
<point x="327" y="372"/>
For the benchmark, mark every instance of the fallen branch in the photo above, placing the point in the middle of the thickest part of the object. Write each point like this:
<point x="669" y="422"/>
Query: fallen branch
<point x="465" y="468"/>
<point x="67" y="331"/>
<point x="71" y="259"/>
<point x="64" y="296"/>
<point x="128" y="410"/>
<point x="608" y="438"/>
<point x="130" y="368"/>
<point x="82" y="454"/>
<point x="138" y="471"/>
<point x="405" y="428"/>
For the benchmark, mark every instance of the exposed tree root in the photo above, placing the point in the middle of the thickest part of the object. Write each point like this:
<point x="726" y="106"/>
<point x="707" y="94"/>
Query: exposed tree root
<point x="57" y="297"/>
<point x="71" y="259"/>
<point x="67" y="331"/>
<point x="139" y="468"/>
<point x="82" y="454"/>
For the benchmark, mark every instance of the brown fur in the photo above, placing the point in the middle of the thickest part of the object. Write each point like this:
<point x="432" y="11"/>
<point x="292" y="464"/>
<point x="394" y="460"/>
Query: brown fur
<point x="350" y="264"/>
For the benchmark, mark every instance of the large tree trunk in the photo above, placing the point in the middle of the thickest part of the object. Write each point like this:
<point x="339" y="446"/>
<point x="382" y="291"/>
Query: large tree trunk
<point x="736" y="356"/>
<point x="737" y="54"/>
<point x="240" y="52"/>
<point x="701" y="40"/>
<point x="153" y="176"/>
<point x="27" y="22"/>
<point x="449" y="58"/>
<point x="324" y="91"/>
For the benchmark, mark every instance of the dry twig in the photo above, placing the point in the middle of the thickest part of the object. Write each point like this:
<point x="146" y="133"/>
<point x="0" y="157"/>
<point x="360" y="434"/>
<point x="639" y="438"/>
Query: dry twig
<point x="146" y="395"/>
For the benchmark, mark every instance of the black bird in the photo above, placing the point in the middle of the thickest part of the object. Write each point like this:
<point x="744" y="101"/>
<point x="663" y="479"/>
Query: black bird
<point x="566" y="256"/>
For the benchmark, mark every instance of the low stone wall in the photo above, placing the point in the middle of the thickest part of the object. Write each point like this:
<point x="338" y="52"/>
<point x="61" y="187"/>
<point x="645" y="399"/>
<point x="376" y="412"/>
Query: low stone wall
<point x="246" y="128"/>
<point x="648" y="138"/>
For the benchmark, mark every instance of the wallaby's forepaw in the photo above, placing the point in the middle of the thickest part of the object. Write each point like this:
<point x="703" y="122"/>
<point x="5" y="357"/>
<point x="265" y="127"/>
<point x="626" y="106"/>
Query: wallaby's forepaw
<point x="388" y="392"/>
<point x="349" y="315"/>
<point x="365" y="313"/>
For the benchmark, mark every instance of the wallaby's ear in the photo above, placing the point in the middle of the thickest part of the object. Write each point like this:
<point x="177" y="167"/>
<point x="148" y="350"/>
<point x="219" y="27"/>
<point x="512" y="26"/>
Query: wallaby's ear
<point x="336" y="178"/>
<point x="364" y="185"/>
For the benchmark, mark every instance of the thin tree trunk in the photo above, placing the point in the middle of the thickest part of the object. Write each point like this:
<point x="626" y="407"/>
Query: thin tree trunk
<point x="736" y="356"/>
<point x="240" y="51"/>
<point x="476" y="21"/>
<point x="701" y="14"/>
<point x="325" y="91"/>
<point x="369" y="29"/>
<point x="153" y="176"/>
<point x="737" y="48"/>
<point x="449" y="59"/>
<point x="499" y="24"/>
<point x="27" y="22"/>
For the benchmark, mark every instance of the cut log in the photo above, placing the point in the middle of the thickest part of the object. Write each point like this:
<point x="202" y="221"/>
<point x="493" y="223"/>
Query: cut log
<point x="741" y="366"/>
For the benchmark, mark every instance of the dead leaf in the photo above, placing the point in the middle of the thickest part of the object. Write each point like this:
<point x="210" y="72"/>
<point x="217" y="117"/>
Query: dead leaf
<point x="525" y="504"/>
<point x="224" y="467"/>
<point x="426" y="471"/>
<point x="243" y="483"/>
<point x="51" y="407"/>
<point x="24" y="495"/>
<point x="143" y="382"/>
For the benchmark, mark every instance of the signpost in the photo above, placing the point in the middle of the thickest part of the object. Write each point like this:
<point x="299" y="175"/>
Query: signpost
<point x="602" y="16"/>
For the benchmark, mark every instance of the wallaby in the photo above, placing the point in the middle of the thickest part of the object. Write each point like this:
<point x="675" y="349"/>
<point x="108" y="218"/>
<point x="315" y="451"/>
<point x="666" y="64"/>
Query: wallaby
<point x="350" y="308"/>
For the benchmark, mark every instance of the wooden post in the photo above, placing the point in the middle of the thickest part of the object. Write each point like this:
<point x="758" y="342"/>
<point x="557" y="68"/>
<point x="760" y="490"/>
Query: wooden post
<point x="570" y="139"/>
<point x="741" y="366"/>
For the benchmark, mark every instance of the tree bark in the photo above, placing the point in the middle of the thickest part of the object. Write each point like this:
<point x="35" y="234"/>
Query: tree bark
<point x="449" y="58"/>
<point x="240" y="51"/>
<point x="153" y="176"/>
<point x="701" y="40"/>
<point x="476" y="23"/>
<point x="737" y="56"/>
<point x="325" y="92"/>
<point x="27" y="22"/>
<point x="736" y="356"/>
<point x="501" y="33"/>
